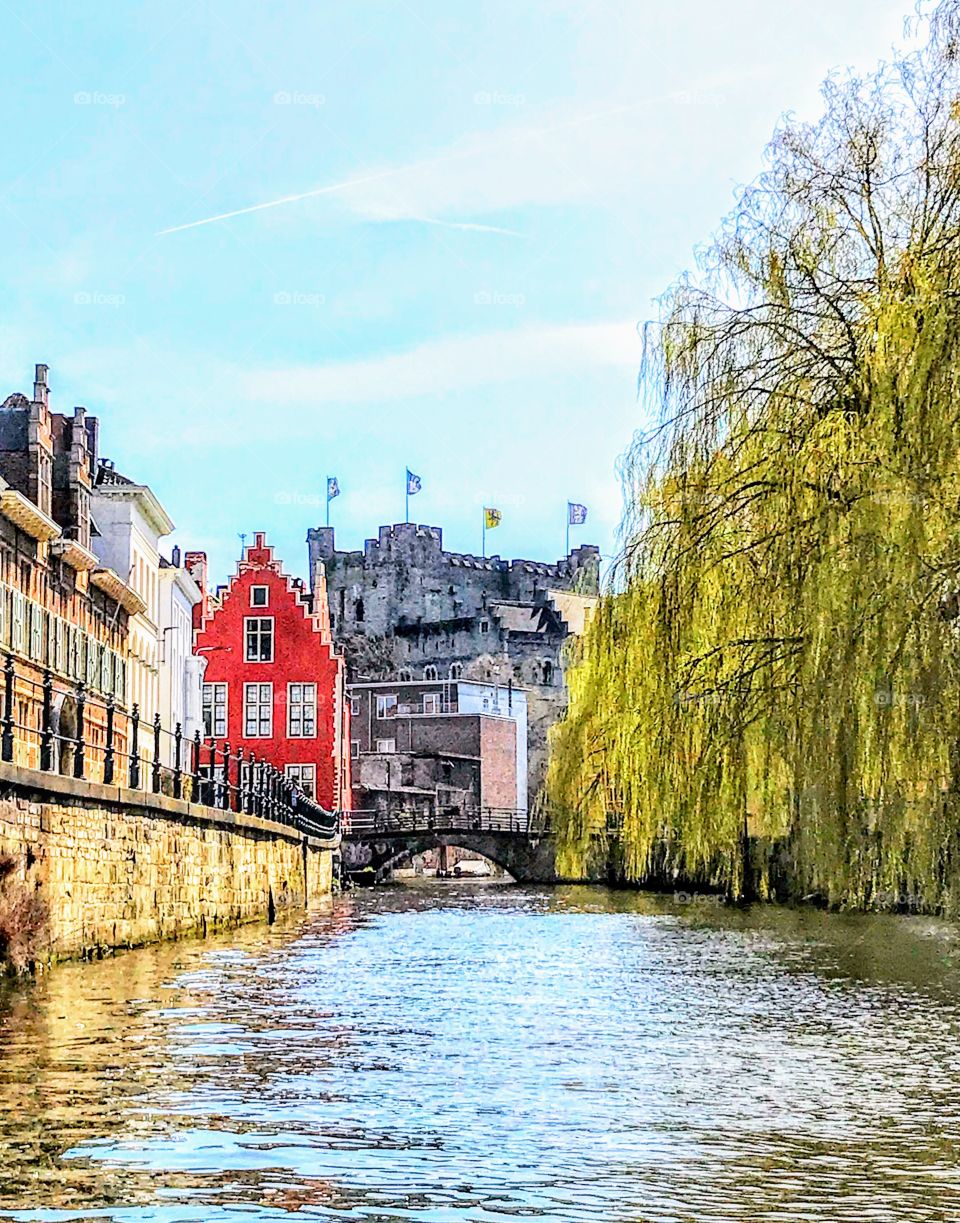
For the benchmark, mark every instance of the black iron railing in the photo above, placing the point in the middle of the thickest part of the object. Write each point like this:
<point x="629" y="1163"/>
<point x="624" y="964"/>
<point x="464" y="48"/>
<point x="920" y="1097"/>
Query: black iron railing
<point x="369" y="823"/>
<point x="64" y="729"/>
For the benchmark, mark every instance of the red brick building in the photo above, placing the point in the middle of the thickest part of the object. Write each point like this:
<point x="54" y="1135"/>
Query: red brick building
<point x="274" y="684"/>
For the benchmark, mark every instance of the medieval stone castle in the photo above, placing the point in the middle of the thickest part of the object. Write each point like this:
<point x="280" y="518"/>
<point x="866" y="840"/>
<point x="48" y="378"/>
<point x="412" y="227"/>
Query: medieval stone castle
<point x="404" y="608"/>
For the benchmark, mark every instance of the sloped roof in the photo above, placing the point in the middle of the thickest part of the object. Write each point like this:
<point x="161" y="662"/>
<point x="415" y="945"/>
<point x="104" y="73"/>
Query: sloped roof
<point x="521" y="617"/>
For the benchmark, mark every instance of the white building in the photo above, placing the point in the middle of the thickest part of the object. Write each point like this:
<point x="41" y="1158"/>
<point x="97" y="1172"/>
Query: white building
<point x="181" y="671"/>
<point x="164" y="677"/>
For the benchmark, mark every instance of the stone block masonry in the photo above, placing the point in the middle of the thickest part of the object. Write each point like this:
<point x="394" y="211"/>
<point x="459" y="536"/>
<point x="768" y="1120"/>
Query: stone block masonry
<point x="119" y="868"/>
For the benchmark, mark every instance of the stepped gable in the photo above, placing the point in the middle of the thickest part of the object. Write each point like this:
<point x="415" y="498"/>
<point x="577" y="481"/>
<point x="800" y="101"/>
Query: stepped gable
<point x="255" y="558"/>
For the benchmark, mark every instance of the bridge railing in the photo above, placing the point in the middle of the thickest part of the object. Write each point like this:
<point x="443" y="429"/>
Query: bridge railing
<point x="369" y="823"/>
<point x="60" y="728"/>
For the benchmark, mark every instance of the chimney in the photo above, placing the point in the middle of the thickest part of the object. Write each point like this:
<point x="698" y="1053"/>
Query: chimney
<point x="40" y="388"/>
<point x="175" y="556"/>
<point x="196" y="565"/>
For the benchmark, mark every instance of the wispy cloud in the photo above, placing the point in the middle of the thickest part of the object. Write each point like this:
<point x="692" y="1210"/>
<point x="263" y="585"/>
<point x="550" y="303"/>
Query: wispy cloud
<point x="459" y="363"/>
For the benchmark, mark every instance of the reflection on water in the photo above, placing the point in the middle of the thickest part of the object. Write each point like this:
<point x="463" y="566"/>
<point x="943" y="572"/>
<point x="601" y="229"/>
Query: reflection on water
<point x="485" y="1053"/>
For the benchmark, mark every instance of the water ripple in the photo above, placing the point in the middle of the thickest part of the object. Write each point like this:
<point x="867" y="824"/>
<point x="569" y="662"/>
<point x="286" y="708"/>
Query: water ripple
<point x="488" y="1054"/>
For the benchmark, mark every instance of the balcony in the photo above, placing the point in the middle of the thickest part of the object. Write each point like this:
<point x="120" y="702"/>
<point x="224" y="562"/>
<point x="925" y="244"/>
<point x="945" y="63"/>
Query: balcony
<point x="74" y="554"/>
<point x="28" y="517"/>
<point x="112" y="584"/>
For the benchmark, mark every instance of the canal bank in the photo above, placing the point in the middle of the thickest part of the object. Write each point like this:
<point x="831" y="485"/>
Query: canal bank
<point x="573" y="1055"/>
<point x="87" y="868"/>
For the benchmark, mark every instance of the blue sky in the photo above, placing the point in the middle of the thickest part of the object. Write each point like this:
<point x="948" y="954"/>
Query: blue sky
<point x="490" y="198"/>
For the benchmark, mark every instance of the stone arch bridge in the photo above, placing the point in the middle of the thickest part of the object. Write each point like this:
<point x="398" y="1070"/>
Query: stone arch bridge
<point x="378" y="842"/>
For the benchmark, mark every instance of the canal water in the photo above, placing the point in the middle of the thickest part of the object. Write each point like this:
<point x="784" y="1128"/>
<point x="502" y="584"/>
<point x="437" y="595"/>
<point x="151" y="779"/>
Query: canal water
<point x="488" y="1053"/>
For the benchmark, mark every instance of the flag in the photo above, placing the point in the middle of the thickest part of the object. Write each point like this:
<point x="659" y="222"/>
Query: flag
<point x="333" y="487"/>
<point x="491" y="517"/>
<point x="576" y="514"/>
<point x="414" y="483"/>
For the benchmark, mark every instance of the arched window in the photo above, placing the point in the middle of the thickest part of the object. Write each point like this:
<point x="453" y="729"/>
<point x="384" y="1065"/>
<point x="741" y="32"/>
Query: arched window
<point x="358" y="611"/>
<point x="430" y="672"/>
<point x="547" y="671"/>
<point x="405" y="675"/>
<point x="456" y="670"/>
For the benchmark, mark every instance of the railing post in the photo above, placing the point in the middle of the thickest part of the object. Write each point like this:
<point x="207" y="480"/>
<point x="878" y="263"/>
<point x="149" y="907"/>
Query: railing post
<point x="261" y="784"/>
<point x="135" y="748"/>
<point x="108" y="755"/>
<point x="178" y="762"/>
<point x="156" y="753"/>
<point x="195" y="796"/>
<point x="210" y="798"/>
<point x="8" y="677"/>
<point x="225" y="797"/>
<point x="234" y="801"/>
<point x="46" y="733"/>
<point x="272" y="793"/>
<point x="80" y="749"/>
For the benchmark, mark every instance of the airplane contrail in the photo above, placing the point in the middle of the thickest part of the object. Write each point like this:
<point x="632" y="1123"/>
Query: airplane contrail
<point x="397" y="170"/>
<point x="467" y="225"/>
<point x="285" y="199"/>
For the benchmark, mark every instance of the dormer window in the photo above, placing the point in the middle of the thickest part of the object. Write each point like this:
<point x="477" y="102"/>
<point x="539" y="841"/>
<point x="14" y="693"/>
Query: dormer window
<point x="259" y="596"/>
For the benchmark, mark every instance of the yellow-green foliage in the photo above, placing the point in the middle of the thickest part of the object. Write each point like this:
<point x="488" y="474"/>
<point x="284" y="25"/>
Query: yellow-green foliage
<point x="779" y="647"/>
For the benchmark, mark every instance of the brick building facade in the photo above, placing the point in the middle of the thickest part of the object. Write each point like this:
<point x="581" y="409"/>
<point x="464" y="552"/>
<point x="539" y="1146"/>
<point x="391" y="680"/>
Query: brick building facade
<point x="437" y="748"/>
<point x="274" y="684"/>
<point x="60" y="609"/>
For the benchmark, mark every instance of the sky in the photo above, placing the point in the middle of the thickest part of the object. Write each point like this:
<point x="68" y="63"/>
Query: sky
<point x="430" y="232"/>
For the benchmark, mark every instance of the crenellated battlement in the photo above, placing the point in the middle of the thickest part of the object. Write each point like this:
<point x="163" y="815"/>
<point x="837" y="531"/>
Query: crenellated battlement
<point x="419" y="543"/>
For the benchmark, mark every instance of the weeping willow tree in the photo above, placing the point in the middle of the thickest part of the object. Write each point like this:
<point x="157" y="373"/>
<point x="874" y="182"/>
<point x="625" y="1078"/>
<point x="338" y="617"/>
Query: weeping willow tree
<point x="778" y="654"/>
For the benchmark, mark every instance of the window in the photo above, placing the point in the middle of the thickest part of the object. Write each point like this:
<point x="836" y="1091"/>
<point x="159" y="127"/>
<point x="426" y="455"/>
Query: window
<point x="259" y="638"/>
<point x="45" y="481"/>
<point x="259" y="596"/>
<point x="304" y="776"/>
<point x="431" y="702"/>
<point x="484" y="626"/>
<point x="257" y="711"/>
<point x="405" y="675"/>
<point x="456" y="670"/>
<point x="36" y="632"/>
<point x="355" y="707"/>
<point x="355" y="749"/>
<point x="386" y="747"/>
<point x="93" y="663"/>
<point x="215" y="711"/>
<point x="19" y="615"/>
<point x="302" y="711"/>
<point x="60" y="646"/>
<point x="430" y="672"/>
<point x="78" y="659"/>
<point x="358" y="611"/>
<point x="547" y="671"/>
<point x="387" y="705"/>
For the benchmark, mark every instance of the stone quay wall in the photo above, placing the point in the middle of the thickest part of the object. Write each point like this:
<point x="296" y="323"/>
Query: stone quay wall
<point x="120" y="868"/>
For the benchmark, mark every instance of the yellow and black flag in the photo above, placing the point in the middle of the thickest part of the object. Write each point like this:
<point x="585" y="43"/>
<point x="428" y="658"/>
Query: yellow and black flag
<point x="491" y="518"/>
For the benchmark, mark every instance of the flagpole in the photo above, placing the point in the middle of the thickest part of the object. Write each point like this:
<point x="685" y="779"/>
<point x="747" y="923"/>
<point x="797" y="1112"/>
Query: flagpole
<point x="406" y="484"/>
<point x="484" y="513"/>
<point x="567" y="553"/>
<point x="328" y="500"/>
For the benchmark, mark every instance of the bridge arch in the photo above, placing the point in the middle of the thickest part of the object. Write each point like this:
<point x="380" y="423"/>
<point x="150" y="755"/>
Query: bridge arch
<point x="435" y="841"/>
<point x="523" y="860"/>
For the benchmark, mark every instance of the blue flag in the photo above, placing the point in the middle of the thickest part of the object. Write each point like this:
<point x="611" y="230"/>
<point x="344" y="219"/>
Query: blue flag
<point x="333" y="487"/>
<point x="414" y="483"/>
<point x="576" y="514"/>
